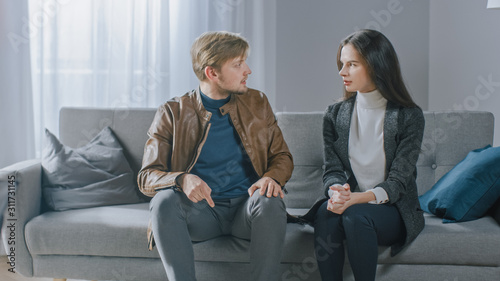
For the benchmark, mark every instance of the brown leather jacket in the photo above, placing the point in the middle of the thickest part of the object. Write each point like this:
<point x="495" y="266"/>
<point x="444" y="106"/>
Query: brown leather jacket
<point x="180" y="128"/>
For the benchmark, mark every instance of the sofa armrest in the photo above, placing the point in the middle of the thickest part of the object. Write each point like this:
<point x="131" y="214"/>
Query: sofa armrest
<point x="22" y="182"/>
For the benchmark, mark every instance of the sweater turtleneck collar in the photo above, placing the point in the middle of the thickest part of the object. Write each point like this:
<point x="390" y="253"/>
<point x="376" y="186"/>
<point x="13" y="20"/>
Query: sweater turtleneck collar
<point x="370" y="100"/>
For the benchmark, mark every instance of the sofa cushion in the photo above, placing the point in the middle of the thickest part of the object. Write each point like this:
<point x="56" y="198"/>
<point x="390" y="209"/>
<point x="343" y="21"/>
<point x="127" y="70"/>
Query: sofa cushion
<point x="466" y="243"/>
<point x="96" y="174"/>
<point x="469" y="190"/>
<point x="303" y="133"/>
<point x="120" y="231"/>
<point x="495" y="211"/>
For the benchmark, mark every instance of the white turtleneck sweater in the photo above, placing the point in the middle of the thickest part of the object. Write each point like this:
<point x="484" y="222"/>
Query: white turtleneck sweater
<point x="366" y="143"/>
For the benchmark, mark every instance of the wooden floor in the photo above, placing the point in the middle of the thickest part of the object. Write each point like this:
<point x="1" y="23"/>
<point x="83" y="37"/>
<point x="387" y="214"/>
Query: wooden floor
<point x="6" y="275"/>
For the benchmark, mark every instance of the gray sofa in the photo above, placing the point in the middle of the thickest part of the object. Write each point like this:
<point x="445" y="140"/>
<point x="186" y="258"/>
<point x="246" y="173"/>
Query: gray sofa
<point x="109" y="243"/>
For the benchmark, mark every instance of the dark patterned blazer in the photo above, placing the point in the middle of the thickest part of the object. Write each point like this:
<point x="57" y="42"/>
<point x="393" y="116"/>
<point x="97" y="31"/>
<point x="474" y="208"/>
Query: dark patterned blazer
<point x="403" y="133"/>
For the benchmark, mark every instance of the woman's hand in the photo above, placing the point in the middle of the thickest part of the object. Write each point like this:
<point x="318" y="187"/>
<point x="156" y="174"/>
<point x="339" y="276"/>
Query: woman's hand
<point x="341" y="198"/>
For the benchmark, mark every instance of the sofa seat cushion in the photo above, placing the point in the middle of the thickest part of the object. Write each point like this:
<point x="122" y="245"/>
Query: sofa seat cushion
<point x="120" y="231"/>
<point x="466" y="243"/>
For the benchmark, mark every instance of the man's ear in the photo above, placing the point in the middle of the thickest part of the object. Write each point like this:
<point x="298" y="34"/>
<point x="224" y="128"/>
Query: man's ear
<point x="211" y="73"/>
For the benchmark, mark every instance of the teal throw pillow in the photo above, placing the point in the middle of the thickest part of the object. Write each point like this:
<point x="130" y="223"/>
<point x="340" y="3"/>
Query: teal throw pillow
<point x="468" y="190"/>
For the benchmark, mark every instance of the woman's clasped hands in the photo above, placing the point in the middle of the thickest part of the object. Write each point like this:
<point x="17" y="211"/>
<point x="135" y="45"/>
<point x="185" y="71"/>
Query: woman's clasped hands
<point x="340" y="199"/>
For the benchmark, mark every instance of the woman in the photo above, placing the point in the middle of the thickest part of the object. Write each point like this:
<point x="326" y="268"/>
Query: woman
<point x="372" y="141"/>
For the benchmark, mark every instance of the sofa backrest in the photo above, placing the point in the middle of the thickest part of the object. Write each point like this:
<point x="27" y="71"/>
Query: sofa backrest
<point x="77" y="126"/>
<point x="448" y="137"/>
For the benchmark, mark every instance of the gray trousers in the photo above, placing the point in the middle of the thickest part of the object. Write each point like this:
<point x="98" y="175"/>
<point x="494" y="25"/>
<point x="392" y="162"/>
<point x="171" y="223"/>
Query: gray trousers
<point x="177" y="222"/>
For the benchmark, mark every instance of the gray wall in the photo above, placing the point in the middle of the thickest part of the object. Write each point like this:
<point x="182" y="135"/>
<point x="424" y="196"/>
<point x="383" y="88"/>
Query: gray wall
<point x="464" y="57"/>
<point x="308" y="36"/>
<point x="449" y="51"/>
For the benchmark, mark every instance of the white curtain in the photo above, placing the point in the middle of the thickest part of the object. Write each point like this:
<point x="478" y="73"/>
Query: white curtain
<point x="134" y="53"/>
<point x="16" y="108"/>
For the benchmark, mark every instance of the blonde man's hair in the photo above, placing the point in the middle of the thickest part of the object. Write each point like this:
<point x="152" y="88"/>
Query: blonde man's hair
<point x="214" y="48"/>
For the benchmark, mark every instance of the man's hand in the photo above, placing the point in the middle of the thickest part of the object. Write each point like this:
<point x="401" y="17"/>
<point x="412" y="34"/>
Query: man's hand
<point x="267" y="186"/>
<point x="341" y="198"/>
<point x="196" y="189"/>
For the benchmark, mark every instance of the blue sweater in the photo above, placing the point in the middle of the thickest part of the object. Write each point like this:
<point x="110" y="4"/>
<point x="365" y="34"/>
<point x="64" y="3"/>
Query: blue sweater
<point x="223" y="163"/>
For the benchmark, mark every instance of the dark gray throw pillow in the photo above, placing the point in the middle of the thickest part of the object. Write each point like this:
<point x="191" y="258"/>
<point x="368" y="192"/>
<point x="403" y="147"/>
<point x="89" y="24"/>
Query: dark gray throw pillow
<point x="96" y="174"/>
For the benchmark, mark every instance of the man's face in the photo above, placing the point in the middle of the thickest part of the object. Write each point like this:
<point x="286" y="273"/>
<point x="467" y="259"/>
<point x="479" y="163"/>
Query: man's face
<point x="233" y="76"/>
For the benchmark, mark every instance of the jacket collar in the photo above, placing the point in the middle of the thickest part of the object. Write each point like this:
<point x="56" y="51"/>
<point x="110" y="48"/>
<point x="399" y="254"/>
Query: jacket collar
<point x="198" y="105"/>
<point x="205" y="114"/>
<point x="225" y="109"/>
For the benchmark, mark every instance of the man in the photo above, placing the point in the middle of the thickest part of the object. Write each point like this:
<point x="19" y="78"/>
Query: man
<point x="216" y="163"/>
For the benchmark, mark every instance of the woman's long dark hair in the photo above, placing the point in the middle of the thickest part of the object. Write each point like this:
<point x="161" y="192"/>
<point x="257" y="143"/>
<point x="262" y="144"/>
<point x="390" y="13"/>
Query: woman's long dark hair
<point x="382" y="64"/>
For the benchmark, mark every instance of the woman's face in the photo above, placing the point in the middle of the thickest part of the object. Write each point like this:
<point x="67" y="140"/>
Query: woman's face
<point x="354" y="72"/>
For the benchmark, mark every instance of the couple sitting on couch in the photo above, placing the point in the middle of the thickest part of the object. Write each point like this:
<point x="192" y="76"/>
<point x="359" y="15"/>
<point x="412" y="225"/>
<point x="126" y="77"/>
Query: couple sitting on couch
<point x="216" y="163"/>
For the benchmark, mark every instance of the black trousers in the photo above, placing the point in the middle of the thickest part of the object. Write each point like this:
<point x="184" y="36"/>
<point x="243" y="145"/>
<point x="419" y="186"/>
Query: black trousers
<point x="363" y="227"/>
